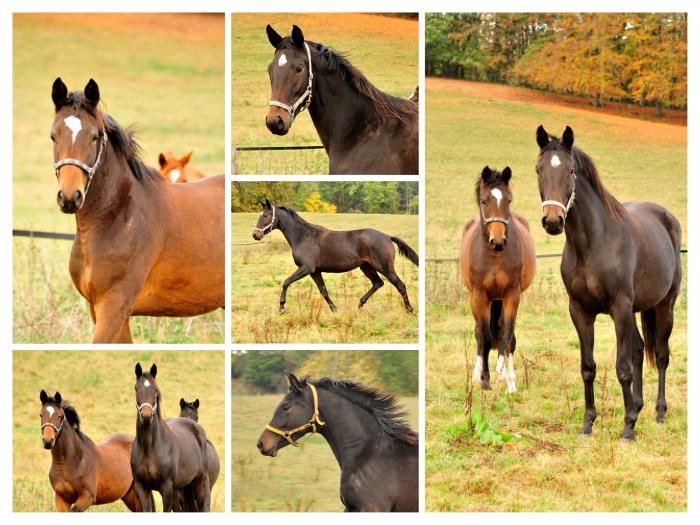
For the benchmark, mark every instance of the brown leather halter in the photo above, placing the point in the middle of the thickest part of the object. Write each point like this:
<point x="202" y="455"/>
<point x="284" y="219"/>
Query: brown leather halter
<point x="315" y="420"/>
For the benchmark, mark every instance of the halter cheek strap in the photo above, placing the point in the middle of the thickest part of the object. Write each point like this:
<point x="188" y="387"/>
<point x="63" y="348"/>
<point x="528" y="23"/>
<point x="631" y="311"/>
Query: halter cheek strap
<point x="566" y="207"/>
<point x="315" y="420"/>
<point x="489" y="220"/>
<point x="269" y="227"/>
<point x="304" y="101"/>
<point x="57" y="429"/>
<point x="90" y="170"/>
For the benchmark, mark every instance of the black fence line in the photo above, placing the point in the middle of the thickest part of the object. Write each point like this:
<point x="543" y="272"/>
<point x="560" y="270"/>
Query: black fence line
<point x="274" y="148"/>
<point x="540" y="256"/>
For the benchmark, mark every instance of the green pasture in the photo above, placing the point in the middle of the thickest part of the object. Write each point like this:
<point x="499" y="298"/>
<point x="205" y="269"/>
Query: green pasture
<point x="550" y="467"/>
<point x="260" y="268"/>
<point x="162" y="73"/>
<point x="100" y="385"/>
<point x="384" y="48"/>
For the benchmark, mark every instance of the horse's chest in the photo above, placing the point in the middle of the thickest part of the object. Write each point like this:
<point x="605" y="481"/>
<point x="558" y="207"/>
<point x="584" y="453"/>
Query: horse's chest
<point x="65" y="489"/>
<point x="496" y="282"/>
<point x="589" y="289"/>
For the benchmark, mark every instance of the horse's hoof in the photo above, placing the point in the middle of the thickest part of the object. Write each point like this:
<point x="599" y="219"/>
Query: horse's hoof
<point x="409" y="309"/>
<point x="627" y="436"/>
<point x="359" y="306"/>
<point x="282" y="310"/>
<point x="333" y="308"/>
<point x="485" y="385"/>
<point x="660" y="418"/>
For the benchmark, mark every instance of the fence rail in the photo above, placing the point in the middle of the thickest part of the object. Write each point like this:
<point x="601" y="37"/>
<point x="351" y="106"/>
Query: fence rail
<point x="540" y="256"/>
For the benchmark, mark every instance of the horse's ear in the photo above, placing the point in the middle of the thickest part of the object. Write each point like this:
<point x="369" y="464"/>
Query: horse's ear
<point x="542" y="137"/>
<point x="186" y="157"/>
<point x="43" y="397"/>
<point x="57" y="398"/>
<point x="506" y="174"/>
<point x="59" y="93"/>
<point x="154" y="370"/>
<point x="273" y="36"/>
<point x="138" y="370"/>
<point x="294" y="383"/>
<point x="182" y="402"/>
<point x="297" y="36"/>
<point x="92" y="92"/>
<point x="268" y="204"/>
<point x="568" y="138"/>
<point x="196" y="403"/>
<point x="486" y="174"/>
<point x="161" y="160"/>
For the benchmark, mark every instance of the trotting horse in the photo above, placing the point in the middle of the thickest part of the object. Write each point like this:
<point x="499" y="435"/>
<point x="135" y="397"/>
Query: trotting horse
<point x="143" y="246"/>
<point x="82" y="473"/>
<point x="497" y="264"/>
<point x="363" y="130"/>
<point x="376" y="449"/>
<point x="167" y="456"/>
<point x="618" y="259"/>
<point x="178" y="170"/>
<point x="316" y="249"/>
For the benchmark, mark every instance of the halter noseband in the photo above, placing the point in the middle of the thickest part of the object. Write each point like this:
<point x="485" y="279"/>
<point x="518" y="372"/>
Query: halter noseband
<point x="57" y="429"/>
<point x="304" y="99"/>
<point x="269" y="227"/>
<point x="488" y="220"/>
<point x="90" y="170"/>
<point x="315" y="420"/>
<point x="569" y="203"/>
<point x="154" y="406"/>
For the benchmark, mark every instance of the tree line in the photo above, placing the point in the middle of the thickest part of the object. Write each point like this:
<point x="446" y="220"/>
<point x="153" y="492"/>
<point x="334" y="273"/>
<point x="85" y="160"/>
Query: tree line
<point x="399" y="197"/>
<point x="627" y="57"/>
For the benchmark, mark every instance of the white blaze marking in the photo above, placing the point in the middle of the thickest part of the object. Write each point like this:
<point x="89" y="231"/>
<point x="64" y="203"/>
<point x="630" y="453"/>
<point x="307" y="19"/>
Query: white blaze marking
<point x="174" y="175"/>
<point x="146" y="383"/>
<point x="476" y="376"/>
<point x="74" y="124"/>
<point x="282" y="61"/>
<point x="50" y="410"/>
<point x="554" y="161"/>
<point x="498" y="195"/>
<point x="500" y="368"/>
<point x="510" y="378"/>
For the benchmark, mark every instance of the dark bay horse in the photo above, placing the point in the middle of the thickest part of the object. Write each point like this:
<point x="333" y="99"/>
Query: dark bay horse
<point x="191" y="411"/>
<point x="364" y="130"/>
<point x="84" y="474"/>
<point x="376" y="449"/>
<point x="143" y="246"/>
<point x="167" y="456"/>
<point x="618" y="260"/>
<point x="497" y="264"/>
<point x="316" y="249"/>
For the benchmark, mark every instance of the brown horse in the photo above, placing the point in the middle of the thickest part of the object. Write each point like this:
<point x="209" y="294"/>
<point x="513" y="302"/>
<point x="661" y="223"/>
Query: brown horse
<point x="82" y="473"/>
<point x="178" y="170"/>
<point x="143" y="246"/>
<point x="497" y="264"/>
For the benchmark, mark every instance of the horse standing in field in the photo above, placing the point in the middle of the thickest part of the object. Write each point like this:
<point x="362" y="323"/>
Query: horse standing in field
<point x="178" y="170"/>
<point x="497" y="264"/>
<point x="84" y="474"/>
<point x="316" y="249"/>
<point x="618" y="259"/>
<point x="363" y="130"/>
<point x="143" y="246"/>
<point x="191" y="411"/>
<point x="376" y="449"/>
<point x="169" y="456"/>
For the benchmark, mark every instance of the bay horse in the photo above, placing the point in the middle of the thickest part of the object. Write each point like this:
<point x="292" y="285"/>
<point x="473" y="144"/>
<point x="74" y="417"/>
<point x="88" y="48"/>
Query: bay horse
<point x="363" y="129"/>
<point x="618" y="259"/>
<point x="376" y="449"/>
<point x="497" y="264"/>
<point x="178" y="169"/>
<point x="82" y="473"/>
<point x="143" y="246"/>
<point x="316" y="249"/>
<point x="169" y="456"/>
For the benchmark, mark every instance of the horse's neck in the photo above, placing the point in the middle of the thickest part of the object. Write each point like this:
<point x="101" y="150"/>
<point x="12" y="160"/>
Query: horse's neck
<point x="68" y="447"/>
<point x="292" y="230"/>
<point x="149" y="435"/>
<point x="589" y="223"/>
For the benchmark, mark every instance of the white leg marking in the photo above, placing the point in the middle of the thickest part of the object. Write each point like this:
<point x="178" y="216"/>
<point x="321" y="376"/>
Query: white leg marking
<point x="500" y="368"/>
<point x="498" y="195"/>
<point x="554" y="161"/>
<point x="50" y="410"/>
<point x="510" y="380"/>
<point x="174" y="175"/>
<point x="282" y="61"/>
<point x="74" y="124"/>
<point x="478" y="366"/>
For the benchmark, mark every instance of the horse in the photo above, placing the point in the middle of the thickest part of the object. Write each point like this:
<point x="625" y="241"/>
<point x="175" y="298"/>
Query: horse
<point x="142" y="246"/>
<point x="363" y="129"/>
<point x="177" y="170"/>
<point x="316" y="249"/>
<point x="169" y="456"/>
<point x="191" y="411"/>
<point x="84" y="474"/>
<point x="497" y="264"/>
<point x="618" y="259"/>
<point x="376" y="449"/>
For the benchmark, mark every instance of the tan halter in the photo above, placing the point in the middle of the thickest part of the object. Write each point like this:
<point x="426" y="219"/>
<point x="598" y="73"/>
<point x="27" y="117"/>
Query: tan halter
<point x="315" y="420"/>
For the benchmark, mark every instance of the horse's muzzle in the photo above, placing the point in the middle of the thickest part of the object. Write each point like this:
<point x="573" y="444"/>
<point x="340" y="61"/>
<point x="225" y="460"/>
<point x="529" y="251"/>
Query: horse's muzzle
<point x="271" y="452"/>
<point x="498" y="245"/>
<point x="276" y="124"/>
<point x="257" y="235"/>
<point x="553" y="224"/>
<point x="72" y="204"/>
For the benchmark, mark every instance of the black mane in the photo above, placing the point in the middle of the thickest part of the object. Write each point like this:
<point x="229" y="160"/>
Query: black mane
<point x="71" y="414"/>
<point x="298" y="218"/>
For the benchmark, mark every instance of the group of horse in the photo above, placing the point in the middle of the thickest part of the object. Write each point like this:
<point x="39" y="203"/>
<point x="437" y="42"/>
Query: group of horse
<point x="619" y="259"/>
<point x="173" y="456"/>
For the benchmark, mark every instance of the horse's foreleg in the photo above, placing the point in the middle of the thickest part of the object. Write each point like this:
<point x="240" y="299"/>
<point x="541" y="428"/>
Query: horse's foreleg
<point x="481" y="311"/>
<point x="628" y="339"/>
<point x="144" y="497"/>
<point x="377" y="282"/>
<point x="507" y="336"/>
<point x="167" y="493"/>
<point x="112" y="319"/>
<point x="84" y="501"/>
<point x="320" y="283"/>
<point x="300" y="273"/>
<point x="61" y="504"/>
<point x="584" y="324"/>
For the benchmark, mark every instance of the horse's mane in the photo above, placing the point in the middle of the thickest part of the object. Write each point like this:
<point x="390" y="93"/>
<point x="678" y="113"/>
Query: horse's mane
<point x="586" y="167"/>
<point x="383" y="407"/>
<point x="495" y="178"/>
<point x="298" y="218"/>
<point x="383" y="105"/>
<point x="71" y="414"/>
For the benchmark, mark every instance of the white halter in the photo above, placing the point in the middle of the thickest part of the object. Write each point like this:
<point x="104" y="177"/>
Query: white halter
<point x="488" y="220"/>
<point x="569" y="203"/>
<point x="267" y="228"/>
<point x="304" y="99"/>
<point x="89" y="170"/>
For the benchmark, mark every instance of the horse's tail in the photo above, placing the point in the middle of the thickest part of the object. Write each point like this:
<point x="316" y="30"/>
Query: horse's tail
<point x="496" y="312"/>
<point x="649" y="331"/>
<point x="406" y="250"/>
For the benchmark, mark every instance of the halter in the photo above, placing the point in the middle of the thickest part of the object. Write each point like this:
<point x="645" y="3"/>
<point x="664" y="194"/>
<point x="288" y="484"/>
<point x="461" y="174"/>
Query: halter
<point x="57" y="429"/>
<point x="154" y="407"/>
<point x="315" y="419"/>
<point x="304" y="99"/>
<point x="269" y="227"/>
<point x="569" y="203"/>
<point x="90" y="170"/>
<point x="489" y="220"/>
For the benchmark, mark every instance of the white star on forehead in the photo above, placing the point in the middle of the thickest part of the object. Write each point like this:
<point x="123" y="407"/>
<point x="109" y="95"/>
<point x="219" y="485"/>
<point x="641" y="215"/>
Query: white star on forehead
<point x="50" y="410"/>
<point x="146" y="383"/>
<point x="554" y="161"/>
<point x="498" y="195"/>
<point x="174" y="175"/>
<point x="74" y="125"/>
<point x="282" y="61"/>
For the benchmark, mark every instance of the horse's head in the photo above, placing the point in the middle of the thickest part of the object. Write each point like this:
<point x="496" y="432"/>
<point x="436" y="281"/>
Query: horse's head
<point x="291" y="78"/>
<point x="295" y="416"/>
<point x="268" y="221"/>
<point x="172" y="168"/>
<point x="494" y="197"/>
<point x="79" y="139"/>
<point x="556" y="176"/>
<point x="189" y="410"/>
<point x="147" y="393"/>
<point x="52" y="418"/>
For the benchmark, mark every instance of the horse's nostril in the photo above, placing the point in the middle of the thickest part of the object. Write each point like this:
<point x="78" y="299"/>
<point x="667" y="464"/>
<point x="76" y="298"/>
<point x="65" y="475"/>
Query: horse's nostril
<point x="260" y="445"/>
<point x="279" y="122"/>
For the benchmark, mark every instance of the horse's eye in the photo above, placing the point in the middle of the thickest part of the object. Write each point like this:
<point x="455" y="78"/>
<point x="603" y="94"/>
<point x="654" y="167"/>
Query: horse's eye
<point x="95" y="137"/>
<point x="53" y="137"/>
<point x="285" y="407"/>
<point x="300" y="68"/>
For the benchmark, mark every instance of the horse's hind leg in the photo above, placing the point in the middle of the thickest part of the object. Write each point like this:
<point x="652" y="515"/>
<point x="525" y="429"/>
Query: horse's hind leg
<point x="300" y="273"/>
<point x="318" y="279"/>
<point x="400" y="286"/>
<point x="373" y="276"/>
<point x="202" y="495"/>
<point x="506" y="343"/>
<point x="664" y="327"/>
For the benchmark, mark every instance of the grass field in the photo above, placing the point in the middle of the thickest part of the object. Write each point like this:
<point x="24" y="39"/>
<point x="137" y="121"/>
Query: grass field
<point x="369" y="39"/>
<point x="551" y="467"/>
<point x="143" y="81"/>
<point x="259" y="269"/>
<point x="99" y="384"/>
